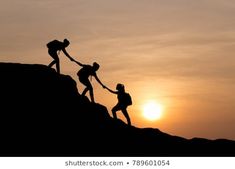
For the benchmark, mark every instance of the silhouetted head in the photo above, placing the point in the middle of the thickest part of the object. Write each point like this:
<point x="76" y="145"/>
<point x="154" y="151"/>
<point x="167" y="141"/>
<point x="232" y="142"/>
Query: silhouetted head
<point x="96" y="66"/>
<point x="120" y="87"/>
<point x="66" y="42"/>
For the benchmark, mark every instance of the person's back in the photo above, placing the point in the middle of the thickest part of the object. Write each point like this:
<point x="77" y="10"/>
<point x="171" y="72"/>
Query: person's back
<point x="55" y="45"/>
<point x="86" y="71"/>
<point x="124" y="99"/>
<point x="121" y="97"/>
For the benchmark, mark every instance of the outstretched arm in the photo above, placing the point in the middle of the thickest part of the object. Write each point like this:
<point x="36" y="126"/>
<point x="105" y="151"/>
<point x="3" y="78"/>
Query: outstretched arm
<point x="66" y="54"/>
<point x="80" y="64"/>
<point x="72" y="59"/>
<point x="98" y="80"/>
<point x="114" y="92"/>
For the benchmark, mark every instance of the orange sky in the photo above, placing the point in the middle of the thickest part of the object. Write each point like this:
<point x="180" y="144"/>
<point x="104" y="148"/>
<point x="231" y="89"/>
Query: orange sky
<point x="179" y="53"/>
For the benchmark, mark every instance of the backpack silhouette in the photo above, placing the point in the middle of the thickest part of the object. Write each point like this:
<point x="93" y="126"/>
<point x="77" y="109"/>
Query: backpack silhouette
<point x="54" y="44"/>
<point x="86" y="71"/>
<point x="127" y="99"/>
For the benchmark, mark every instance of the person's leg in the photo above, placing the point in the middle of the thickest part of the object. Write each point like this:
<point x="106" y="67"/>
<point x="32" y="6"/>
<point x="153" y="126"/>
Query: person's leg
<point x="58" y="65"/>
<point x="89" y="87"/>
<point x="84" y="82"/>
<point x="56" y="60"/>
<point x="84" y="91"/>
<point x="92" y="94"/>
<point x="124" y="111"/>
<point x="114" y="110"/>
<point x="52" y="63"/>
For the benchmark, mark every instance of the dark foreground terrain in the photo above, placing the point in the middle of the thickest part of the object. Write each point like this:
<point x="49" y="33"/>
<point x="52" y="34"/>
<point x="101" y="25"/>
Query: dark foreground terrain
<point x="43" y="114"/>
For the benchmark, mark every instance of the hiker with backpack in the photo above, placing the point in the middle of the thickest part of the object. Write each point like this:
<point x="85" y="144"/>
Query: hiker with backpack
<point x="124" y="100"/>
<point x="54" y="47"/>
<point x="83" y="75"/>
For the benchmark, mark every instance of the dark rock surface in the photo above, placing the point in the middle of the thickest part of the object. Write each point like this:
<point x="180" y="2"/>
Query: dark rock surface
<point x="43" y="114"/>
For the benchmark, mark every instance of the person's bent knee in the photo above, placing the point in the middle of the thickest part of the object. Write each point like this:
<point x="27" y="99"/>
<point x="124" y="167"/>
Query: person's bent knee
<point x="57" y="60"/>
<point x="114" y="109"/>
<point x="90" y="88"/>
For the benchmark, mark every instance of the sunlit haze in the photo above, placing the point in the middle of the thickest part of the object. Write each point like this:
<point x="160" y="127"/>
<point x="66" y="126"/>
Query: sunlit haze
<point x="178" y="53"/>
<point x="152" y="111"/>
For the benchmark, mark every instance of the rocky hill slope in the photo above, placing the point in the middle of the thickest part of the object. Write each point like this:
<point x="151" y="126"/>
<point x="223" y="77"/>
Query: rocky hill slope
<point x="43" y="114"/>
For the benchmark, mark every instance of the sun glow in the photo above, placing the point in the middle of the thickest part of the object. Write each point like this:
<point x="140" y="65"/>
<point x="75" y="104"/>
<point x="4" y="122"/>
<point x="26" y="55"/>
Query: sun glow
<point x="152" y="111"/>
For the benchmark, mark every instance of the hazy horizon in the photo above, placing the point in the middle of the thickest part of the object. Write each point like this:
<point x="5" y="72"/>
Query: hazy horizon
<point x="179" y="54"/>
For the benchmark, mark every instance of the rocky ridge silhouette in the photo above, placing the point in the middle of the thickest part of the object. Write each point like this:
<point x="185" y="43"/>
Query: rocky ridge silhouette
<point x="43" y="114"/>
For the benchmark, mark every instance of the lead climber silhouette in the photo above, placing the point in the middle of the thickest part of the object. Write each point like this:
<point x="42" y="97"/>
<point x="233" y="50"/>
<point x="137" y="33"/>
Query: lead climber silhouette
<point x="124" y="100"/>
<point x="83" y="75"/>
<point x="54" y="48"/>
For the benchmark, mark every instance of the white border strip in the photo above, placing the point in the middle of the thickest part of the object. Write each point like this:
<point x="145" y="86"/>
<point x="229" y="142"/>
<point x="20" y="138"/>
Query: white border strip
<point x="117" y="162"/>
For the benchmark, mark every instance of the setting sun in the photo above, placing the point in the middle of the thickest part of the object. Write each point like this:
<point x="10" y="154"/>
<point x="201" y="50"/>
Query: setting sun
<point x="152" y="111"/>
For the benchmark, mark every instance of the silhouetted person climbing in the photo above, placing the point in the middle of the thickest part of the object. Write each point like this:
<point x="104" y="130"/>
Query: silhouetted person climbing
<point x="83" y="76"/>
<point x="124" y="100"/>
<point x="54" y="48"/>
